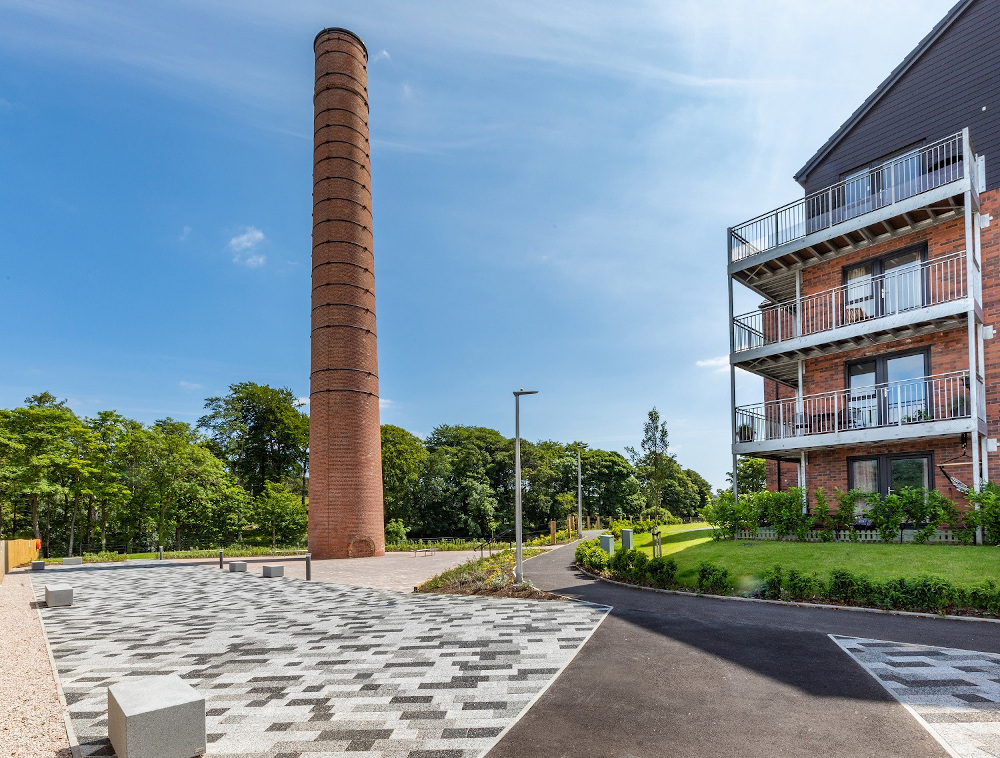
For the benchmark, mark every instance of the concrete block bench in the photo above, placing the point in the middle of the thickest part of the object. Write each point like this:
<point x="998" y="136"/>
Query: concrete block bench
<point x="273" y="570"/>
<point x="38" y="565"/>
<point x="57" y="595"/>
<point x="72" y="561"/>
<point x="237" y="565"/>
<point x="424" y="550"/>
<point x="156" y="717"/>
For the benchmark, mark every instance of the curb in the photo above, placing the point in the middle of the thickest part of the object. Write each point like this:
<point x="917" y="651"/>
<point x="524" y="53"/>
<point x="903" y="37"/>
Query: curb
<point x="74" y="743"/>
<point x="825" y="606"/>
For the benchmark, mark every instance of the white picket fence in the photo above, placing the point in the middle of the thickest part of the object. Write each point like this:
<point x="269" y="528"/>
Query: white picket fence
<point x="767" y="533"/>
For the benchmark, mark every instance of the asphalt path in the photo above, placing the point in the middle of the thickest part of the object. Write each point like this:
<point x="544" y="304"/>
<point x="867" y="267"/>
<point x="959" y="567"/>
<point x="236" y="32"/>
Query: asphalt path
<point x="674" y="675"/>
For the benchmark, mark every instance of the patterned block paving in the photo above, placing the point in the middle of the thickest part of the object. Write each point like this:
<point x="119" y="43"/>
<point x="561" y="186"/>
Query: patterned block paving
<point x="293" y="668"/>
<point x="955" y="692"/>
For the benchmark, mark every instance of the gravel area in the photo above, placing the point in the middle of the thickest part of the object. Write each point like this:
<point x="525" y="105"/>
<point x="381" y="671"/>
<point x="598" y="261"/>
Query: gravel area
<point x="31" y="717"/>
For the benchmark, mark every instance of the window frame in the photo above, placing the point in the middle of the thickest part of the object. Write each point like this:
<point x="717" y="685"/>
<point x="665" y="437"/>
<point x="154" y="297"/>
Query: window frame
<point x="877" y="264"/>
<point x="884" y="461"/>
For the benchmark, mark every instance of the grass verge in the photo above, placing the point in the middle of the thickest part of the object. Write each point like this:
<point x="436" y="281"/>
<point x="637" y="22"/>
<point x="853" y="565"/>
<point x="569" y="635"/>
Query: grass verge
<point x="492" y="575"/>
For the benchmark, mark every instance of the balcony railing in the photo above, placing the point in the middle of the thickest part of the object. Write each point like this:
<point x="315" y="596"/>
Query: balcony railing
<point x="914" y="401"/>
<point x="908" y="288"/>
<point x="920" y="170"/>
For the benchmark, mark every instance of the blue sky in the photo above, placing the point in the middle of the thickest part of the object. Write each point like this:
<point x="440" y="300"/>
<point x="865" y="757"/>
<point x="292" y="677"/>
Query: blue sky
<point x="552" y="185"/>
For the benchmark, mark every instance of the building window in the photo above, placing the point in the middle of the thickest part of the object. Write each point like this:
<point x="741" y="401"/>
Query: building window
<point x="888" y="474"/>
<point x="887" y="389"/>
<point x="890" y="284"/>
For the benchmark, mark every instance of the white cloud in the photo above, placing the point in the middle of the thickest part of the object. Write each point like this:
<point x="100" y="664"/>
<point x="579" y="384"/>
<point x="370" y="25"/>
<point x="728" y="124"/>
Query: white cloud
<point x="185" y="233"/>
<point x="251" y="237"/>
<point x="302" y="400"/>
<point x="382" y="55"/>
<point x="243" y="245"/>
<point x="189" y="385"/>
<point x="719" y="363"/>
<point x="384" y="403"/>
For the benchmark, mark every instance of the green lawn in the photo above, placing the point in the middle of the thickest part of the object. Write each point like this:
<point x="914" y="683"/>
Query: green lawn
<point x="747" y="561"/>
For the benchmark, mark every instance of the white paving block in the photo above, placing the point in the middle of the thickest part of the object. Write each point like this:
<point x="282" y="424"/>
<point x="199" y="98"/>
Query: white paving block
<point x="156" y="717"/>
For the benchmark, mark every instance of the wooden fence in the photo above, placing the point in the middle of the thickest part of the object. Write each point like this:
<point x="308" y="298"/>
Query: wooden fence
<point x="16" y="553"/>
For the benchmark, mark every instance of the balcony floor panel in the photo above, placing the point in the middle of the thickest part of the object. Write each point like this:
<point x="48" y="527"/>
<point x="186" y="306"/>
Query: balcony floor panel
<point x="790" y="446"/>
<point x="779" y="361"/>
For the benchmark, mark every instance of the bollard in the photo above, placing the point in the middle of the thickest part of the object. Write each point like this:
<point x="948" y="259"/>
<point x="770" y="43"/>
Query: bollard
<point x="552" y="531"/>
<point x="161" y="552"/>
<point x="220" y="558"/>
<point x="309" y="572"/>
<point x="626" y="539"/>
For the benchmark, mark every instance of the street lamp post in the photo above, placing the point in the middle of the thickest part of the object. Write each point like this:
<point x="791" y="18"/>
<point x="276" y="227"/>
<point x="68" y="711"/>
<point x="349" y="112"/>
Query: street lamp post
<point x="579" y="493"/>
<point x="518" y="574"/>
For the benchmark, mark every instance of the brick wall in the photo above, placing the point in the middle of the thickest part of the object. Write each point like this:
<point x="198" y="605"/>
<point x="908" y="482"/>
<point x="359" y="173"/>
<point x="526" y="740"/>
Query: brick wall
<point x="345" y="449"/>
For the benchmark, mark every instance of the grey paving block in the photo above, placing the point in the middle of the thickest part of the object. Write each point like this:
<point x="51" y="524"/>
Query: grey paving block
<point x="235" y="566"/>
<point x="310" y="668"/>
<point x="38" y="565"/>
<point x="956" y="692"/>
<point x="58" y="595"/>
<point x="72" y="561"/>
<point x="273" y="570"/>
<point x="156" y="717"/>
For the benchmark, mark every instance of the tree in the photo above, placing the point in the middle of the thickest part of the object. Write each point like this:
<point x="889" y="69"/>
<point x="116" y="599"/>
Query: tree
<point x="279" y="514"/>
<point x="751" y="475"/>
<point x="403" y="457"/>
<point x="259" y="431"/>
<point x="610" y="487"/>
<point x="652" y="461"/>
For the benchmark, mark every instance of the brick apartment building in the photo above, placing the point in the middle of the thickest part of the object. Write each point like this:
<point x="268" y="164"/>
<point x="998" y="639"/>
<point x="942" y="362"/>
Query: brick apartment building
<point x="881" y="285"/>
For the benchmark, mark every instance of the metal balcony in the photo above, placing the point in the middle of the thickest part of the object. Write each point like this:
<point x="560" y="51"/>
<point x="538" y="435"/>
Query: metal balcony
<point x="922" y="407"/>
<point x="915" y="173"/>
<point x="843" y="317"/>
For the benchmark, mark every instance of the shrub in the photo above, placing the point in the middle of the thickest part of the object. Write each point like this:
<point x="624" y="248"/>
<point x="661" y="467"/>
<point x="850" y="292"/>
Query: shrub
<point x="661" y="572"/>
<point x="589" y="555"/>
<point x="629" y="565"/>
<point x="772" y="583"/>
<point x="801" y="586"/>
<point x="886" y="514"/>
<point x="988" y="500"/>
<point x="395" y="531"/>
<point x="713" y="579"/>
<point x="821" y="516"/>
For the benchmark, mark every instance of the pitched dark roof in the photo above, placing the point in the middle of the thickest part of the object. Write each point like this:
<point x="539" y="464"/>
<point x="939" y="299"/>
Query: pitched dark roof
<point x="897" y="73"/>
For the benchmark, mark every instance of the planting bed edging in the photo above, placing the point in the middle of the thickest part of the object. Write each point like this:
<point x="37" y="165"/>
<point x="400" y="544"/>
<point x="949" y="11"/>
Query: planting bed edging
<point x="798" y="604"/>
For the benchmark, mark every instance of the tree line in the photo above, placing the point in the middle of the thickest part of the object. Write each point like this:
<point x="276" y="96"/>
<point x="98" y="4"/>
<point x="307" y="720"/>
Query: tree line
<point x="240" y="476"/>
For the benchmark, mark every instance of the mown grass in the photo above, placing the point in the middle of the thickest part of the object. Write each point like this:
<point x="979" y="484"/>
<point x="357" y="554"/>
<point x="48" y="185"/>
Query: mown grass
<point x="491" y="575"/>
<point x="747" y="561"/>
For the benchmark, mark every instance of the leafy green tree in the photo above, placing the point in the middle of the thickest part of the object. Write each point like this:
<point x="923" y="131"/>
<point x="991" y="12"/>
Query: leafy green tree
<point x="751" y="474"/>
<point x="259" y="431"/>
<point x="403" y="457"/>
<point x="279" y="514"/>
<point x="651" y="459"/>
<point x="610" y="487"/>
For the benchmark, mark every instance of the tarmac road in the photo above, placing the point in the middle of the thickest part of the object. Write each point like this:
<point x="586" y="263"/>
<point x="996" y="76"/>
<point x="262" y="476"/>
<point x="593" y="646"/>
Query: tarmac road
<point x="671" y="675"/>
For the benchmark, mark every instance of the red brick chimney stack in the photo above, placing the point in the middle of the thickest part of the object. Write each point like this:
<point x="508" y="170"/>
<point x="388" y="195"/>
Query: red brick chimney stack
<point x="345" y="449"/>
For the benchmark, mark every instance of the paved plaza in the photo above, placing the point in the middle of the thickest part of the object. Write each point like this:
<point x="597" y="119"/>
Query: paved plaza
<point x="956" y="693"/>
<point x="293" y="668"/>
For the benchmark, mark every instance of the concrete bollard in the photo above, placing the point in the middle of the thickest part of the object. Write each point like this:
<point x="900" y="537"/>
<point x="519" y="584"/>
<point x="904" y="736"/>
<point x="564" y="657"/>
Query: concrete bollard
<point x="220" y="558"/>
<point x="626" y="539"/>
<point x="608" y="543"/>
<point x="309" y="573"/>
<point x="159" y="716"/>
<point x="161" y="552"/>
<point x="38" y="565"/>
<point x="57" y="595"/>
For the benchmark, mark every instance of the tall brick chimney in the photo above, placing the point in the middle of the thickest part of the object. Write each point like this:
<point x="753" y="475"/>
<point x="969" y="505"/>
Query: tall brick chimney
<point x="345" y="449"/>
